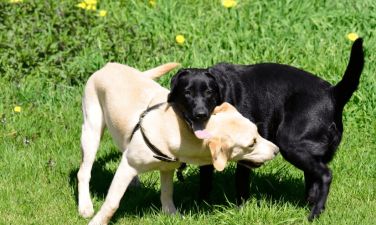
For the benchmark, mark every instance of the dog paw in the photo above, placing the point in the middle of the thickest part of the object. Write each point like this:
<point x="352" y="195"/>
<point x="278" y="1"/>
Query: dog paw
<point x="86" y="211"/>
<point x="315" y="213"/>
<point x="97" y="220"/>
<point x="171" y="210"/>
<point x="96" y="223"/>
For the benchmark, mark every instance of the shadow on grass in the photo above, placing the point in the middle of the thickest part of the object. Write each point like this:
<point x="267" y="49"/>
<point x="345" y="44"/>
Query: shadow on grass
<point x="100" y="176"/>
<point x="145" y="198"/>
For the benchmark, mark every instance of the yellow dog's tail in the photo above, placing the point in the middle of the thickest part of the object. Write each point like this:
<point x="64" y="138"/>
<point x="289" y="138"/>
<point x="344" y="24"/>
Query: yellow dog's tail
<point x="160" y="70"/>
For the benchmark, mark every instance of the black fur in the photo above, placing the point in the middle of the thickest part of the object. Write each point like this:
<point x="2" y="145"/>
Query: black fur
<point x="299" y="112"/>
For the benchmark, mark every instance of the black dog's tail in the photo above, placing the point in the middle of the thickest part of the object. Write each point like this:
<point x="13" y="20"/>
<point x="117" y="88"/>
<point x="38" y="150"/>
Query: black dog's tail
<point x="345" y="88"/>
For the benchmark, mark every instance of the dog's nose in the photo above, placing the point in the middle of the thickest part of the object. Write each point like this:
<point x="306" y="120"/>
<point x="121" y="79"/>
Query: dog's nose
<point x="201" y="115"/>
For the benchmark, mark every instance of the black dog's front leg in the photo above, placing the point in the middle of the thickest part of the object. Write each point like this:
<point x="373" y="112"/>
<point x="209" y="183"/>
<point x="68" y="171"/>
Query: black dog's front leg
<point x="206" y="177"/>
<point x="242" y="180"/>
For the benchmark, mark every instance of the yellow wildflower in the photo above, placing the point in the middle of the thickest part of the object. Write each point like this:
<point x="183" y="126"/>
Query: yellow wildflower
<point x="15" y="1"/>
<point x="88" y="5"/>
<point x="352" y="36"/>
<point x="82" y="5"/>
<point x="102" y="13"/>
<point x="91" y="7"/>
<point x="91" y="2"/>
<point x="180" y="39"/>
<point x="153" y="3"/>
<point x="17" y="109"/>
<point x="229" y="3"/>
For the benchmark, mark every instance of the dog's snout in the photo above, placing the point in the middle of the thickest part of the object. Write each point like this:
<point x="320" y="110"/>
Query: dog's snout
<point x="271" y="146"/>
<point x="201" y="114"/>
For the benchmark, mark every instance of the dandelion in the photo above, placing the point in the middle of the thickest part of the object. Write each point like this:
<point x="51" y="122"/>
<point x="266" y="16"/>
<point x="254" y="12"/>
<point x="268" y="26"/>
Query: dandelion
<point x="153" y="3"/>
<point x="15" y="1"/>
<point x="82" y="5"/>
<point x="229" y="3"/>
<point x="102" y="13"/>
<point x="88" y="5"/>
<point x="180" y="39"/>
<point x="91" y="2"/>
<point x="17" y="109"/>
<point x="352" y="36"/>
<point x="91" y="7"/>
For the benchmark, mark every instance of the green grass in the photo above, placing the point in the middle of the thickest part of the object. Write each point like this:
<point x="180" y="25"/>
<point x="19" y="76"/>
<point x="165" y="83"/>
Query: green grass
<point x="49" y="48"/>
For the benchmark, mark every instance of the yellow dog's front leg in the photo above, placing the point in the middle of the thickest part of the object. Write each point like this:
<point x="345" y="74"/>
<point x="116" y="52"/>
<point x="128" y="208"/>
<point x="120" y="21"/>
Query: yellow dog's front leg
<point x="167" y="190"/>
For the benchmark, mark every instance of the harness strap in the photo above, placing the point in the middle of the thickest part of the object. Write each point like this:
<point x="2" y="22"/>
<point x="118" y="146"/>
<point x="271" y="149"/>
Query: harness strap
<point x="158" y="154"/>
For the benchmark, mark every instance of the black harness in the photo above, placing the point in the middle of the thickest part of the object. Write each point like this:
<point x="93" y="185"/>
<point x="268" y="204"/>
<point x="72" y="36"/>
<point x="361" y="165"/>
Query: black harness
<point x="158" y="154"/>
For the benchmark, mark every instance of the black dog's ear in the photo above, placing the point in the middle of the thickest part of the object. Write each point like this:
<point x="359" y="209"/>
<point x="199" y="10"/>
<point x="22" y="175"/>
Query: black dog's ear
<point x="174" y="83"/>
<point x="214" y="74"/>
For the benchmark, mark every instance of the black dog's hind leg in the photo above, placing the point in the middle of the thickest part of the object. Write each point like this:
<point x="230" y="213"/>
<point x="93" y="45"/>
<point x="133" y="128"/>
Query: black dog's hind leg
<point x="242" y="181"/>
<point x="318" y="174"/>
<point x="305" y="155"/>
<point x="311" y="189"/>
<point x="206" y="179"/>
<point x="323" y="175"/>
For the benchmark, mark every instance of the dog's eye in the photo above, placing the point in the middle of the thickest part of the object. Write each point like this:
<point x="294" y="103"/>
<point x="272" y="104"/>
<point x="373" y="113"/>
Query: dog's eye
<point x="253" y="143"/>
<point x="187" y="93"/>
<point x="209" y="92"/>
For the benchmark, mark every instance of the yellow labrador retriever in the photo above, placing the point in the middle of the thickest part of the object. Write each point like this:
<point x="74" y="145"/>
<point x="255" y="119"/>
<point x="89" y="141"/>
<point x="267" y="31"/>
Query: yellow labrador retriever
<point x="116" y="97"/>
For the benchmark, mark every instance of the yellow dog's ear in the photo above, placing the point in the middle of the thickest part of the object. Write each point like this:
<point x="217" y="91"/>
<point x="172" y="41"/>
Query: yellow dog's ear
<point x="220" y="154"/>
<point x="224" y="107"/>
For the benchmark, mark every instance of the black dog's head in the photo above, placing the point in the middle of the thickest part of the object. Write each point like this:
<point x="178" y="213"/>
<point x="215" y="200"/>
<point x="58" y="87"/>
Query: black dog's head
<point x="195" y="94"/>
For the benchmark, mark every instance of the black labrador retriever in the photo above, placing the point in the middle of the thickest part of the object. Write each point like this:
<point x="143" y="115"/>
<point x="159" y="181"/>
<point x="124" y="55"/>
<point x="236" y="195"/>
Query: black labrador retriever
<point x="298" y="111"/>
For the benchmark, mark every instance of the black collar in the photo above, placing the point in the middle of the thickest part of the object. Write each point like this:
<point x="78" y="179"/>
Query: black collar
<point x="158" y="154"/>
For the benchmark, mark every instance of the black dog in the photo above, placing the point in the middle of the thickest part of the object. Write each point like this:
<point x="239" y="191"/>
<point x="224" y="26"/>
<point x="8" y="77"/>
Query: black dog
<point x="299" y="112"/>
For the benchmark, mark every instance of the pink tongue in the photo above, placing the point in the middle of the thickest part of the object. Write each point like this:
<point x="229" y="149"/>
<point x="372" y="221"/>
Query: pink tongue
<point x="202" y="134"/>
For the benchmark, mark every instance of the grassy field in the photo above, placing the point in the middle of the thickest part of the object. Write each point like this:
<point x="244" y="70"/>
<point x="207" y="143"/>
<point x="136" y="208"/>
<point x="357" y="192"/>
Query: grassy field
<point x="49" y="48"/>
